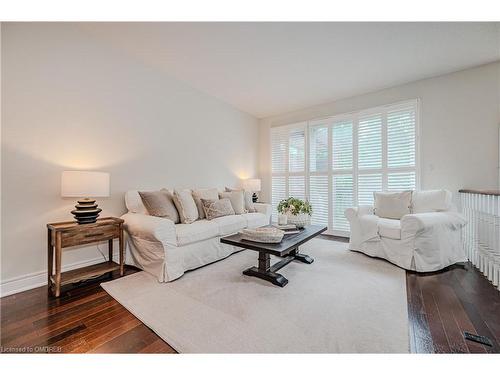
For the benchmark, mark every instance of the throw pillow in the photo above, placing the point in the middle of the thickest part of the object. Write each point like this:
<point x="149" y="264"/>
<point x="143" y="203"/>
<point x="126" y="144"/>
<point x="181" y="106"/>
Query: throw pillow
<point x="160" y="204"/>
<point x="392" y="205"/>
<point x="431" y="201"/>
<point x="217" y="208"/>
<point x="186" y="206"/>
<point x="205" y="194"/>
<point x="237" y="199"/>
<point x="249" y="205"/>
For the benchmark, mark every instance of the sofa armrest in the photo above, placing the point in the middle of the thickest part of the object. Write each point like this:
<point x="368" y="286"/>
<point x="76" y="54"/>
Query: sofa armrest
<point x="413" y="224"/>
<point x="150" y="228"/>
<point x="263" y="208"/>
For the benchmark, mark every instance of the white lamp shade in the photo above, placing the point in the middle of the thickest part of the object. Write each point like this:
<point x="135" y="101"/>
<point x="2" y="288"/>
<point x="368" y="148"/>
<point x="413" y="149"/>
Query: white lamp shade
<point x="84" y="184"/>
<point x="251" y="184"/>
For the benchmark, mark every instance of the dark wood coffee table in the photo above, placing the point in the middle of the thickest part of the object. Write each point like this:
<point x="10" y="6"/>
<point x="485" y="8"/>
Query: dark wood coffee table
<point x="288" y="249"/>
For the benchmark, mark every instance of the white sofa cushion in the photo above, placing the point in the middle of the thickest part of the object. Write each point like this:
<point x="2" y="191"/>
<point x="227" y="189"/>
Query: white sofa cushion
<point x="198" y="231"/>
<point x="255" y="219"/>
<point x="185" y="204"/>
<point x="237" y="198"/>
<point x="199" y="194"/>
<point x="249" y="205"/>
<point x="389" y="228"/>
<point x="160" y="204"/>
<point x="229" y="224"/>
<point x="134" y="204"/>
<point x="431" y="201"/>
<point x="392" y="205"/>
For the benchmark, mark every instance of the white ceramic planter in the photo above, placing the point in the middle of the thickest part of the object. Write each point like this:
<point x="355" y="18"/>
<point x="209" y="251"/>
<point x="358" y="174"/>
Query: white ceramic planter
<point x="300" y="220"/>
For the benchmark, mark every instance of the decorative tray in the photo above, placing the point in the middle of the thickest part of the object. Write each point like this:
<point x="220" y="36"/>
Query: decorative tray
<point x="264" y="235"/>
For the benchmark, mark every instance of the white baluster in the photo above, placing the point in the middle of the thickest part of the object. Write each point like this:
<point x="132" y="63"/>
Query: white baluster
<point x="496" y="241"/>
<point x="481" y="236"/>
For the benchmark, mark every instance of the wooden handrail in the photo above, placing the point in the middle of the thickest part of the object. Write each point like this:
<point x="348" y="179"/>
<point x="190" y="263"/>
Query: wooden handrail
<point x="480" y="191"/>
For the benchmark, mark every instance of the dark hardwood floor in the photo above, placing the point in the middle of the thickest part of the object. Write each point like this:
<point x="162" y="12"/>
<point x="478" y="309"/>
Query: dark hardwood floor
<point x="442" y="305"/>
<point x="83" y="319"/>
<point x="86" y="319"/>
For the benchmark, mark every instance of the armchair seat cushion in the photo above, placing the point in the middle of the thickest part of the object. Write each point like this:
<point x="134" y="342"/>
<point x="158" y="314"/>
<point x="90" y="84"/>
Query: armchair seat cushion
<point x="389" y="228"/>
<point x="198" y="231"/>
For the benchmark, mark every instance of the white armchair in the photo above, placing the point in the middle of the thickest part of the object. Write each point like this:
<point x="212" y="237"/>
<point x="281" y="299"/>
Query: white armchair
<point x="428" y="239"/>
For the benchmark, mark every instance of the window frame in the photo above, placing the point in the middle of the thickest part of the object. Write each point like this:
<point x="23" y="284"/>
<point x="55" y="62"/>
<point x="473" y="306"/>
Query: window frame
<point x="354" y="171"/>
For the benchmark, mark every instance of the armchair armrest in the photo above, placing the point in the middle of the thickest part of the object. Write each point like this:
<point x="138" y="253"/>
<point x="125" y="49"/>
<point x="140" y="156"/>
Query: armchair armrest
<point x="150" y="228"/>
<point x="363" y="225"/>
<point x="354" y="212"/>
<point x="263" y="208"/>
<point x="414" y="223"/>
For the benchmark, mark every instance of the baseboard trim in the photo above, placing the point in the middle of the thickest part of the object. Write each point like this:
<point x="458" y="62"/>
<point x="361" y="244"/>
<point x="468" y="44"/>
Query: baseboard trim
<point x="37" y="279"/>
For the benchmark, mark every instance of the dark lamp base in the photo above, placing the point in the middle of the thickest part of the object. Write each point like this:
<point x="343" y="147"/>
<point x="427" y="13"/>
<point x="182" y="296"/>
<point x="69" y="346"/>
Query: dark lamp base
<point x="86" y="211"/>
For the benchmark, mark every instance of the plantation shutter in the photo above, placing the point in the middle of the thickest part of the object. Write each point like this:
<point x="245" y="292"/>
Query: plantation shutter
<point x="297" y="164"/>
<point x="318" y="149"/>
<point x="318" y="196"/>
<point x="297" y="187"/>
<point x="401" y="138"/>
<point x="288" y="158"/>
<point x="319" y="170"/>
<point x="342" y="145"/>
<point x="297" y="150"/>
<point x="279" y="149"/>
<point x="342" y="179"/>
<point x="278" y="193"/>
<point x="342" y="199"/>
<point x="340" y="161"/>
<point x="401" y="141"/>
<point x="370" y="142"/>
<point x="367" y="184"/>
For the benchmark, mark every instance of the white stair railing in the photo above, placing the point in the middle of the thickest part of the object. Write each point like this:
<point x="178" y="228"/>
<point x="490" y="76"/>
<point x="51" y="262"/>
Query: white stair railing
<point x="481" y="236"/>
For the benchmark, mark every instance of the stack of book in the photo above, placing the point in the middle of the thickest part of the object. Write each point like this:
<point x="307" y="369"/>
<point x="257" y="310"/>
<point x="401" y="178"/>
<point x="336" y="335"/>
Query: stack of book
<point x="288" y="228"/>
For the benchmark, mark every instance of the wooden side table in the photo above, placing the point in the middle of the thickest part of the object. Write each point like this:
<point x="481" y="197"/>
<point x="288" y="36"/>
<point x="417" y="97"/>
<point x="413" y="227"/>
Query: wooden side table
<point x="70" y="233"/>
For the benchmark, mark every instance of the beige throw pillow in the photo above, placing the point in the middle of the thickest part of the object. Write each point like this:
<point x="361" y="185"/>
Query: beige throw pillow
<point x="237" y="199"/>
<point x="186" y="206"/>
<point x="217" y="208"/>
<point x="431" y="201"/>
<point x="160" y="204"/>
<point x="249" y="206"/>
<point x="392" y="205"/>
<point x="205" y="194"/>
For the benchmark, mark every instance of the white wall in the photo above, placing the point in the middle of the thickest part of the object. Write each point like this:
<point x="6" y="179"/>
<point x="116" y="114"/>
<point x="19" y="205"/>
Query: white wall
<point x="459" y="123"/>
<point x="72" y="102"/>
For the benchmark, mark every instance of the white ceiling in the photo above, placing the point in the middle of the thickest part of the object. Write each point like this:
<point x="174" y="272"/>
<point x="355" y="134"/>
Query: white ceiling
<point x="271" y="68"/>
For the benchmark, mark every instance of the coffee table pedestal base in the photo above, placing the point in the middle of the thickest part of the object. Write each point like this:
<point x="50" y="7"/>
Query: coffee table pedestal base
<point x="304" y="258"/>
<point x="267" y="272"/>
<point x="273" y="277"/>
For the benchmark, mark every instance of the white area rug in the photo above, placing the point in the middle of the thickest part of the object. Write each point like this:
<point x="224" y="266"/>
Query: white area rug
<point x="344" y="302"/>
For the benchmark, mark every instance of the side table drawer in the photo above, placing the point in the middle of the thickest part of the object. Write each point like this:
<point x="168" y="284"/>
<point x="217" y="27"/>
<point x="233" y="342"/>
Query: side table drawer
<point x="81" y="237"/>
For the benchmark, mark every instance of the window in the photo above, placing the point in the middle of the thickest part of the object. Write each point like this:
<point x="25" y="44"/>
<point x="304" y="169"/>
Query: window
<point x="340" y="161"/>
<point x="288" y="154"/>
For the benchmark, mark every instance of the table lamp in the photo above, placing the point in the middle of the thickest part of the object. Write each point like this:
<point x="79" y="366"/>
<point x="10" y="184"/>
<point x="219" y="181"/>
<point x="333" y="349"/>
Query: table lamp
<point x="85" y="185"/>
<point x="252" y="185"/>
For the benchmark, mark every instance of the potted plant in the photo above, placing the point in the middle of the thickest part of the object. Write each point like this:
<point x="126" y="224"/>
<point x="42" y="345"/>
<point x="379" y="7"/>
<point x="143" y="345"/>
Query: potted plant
<point x="298" y="211"/>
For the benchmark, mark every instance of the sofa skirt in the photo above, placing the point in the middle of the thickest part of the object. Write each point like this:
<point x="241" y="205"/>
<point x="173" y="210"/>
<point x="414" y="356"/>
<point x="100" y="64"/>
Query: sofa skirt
<point x="168" y="263"/>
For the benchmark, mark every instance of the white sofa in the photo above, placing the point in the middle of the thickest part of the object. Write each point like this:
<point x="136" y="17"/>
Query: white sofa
<point x="166" y="250"/>
<point x="428" y="239"/>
